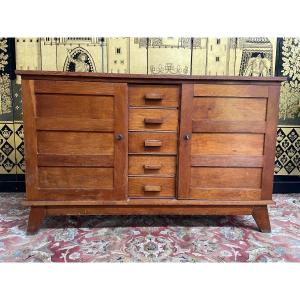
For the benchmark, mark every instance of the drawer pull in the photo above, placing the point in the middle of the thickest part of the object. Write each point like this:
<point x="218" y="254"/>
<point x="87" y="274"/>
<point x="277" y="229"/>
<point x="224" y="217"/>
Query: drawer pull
<point x="153" y="143"/>
<point x="153" y="121"/>
<point x="152" y="167"/>
<point x="119" y="137"/>
<point x="187" y="137"/>
<point x="153" y="96"/>
<point x="152" y="188"/>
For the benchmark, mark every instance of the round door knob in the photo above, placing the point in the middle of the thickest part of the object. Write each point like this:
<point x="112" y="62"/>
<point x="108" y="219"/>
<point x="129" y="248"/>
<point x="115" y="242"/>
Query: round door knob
<point x="187" y="137"/>
<point x="119" y="136"/>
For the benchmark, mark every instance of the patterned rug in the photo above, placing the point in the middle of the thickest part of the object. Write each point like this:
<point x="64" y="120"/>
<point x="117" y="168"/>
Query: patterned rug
<point x="150" y="239"/>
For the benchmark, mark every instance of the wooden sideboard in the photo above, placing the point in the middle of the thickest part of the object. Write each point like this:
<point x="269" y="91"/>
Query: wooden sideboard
<point x="145" y="145"/>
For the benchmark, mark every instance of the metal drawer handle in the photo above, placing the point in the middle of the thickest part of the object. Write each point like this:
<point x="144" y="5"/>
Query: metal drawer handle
<point x="119" y="136"/>
<point x="154" y="96"/>
<point x="187" y="137"/>
<point x="152" y="188"/>
<point x="153" y="121"/>
<point x="152" y="167"/>
<point x="153" y="143"/>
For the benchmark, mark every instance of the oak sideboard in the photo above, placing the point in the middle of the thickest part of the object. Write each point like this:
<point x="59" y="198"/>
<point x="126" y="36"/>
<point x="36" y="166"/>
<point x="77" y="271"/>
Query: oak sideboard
<point x="115" y="144"/>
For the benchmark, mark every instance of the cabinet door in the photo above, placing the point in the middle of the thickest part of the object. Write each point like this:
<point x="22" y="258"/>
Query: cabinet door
<point x="227" y="142"/>
<point x="76" y="140"/>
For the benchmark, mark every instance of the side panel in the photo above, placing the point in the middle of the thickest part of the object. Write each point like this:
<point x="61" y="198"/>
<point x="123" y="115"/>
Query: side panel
<point x="270" y="142"/>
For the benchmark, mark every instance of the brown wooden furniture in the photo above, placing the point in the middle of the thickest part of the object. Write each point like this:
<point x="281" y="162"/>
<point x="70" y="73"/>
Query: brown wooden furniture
<point x="137" y="144"/>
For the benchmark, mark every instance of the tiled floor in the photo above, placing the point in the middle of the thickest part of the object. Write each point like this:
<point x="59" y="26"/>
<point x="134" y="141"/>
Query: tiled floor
<point x="150" y="239"/>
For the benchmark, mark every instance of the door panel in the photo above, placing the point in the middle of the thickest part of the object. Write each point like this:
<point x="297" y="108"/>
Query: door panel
<point x="229" y="109"/>
<point x="207" y="177"/>
<point x="75" y="177"/>
<point x="227" y="144"/>
<point x="79" y="140"/>
<point x="64" y="142"/>
<point x="226" y="194"/>
<point x="230" y="90"/>
<point x="221" y="148"/>
<point x="75" y="106"/>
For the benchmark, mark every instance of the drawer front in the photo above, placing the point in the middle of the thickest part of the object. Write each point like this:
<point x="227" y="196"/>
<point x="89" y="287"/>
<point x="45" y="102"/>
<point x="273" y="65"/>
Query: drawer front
<point x="153" y="119"/>
<point x="152" y="165"/>
<point x="154" y="95"/>
<point x="151" y="187"/>
<point x="143" y="142"/>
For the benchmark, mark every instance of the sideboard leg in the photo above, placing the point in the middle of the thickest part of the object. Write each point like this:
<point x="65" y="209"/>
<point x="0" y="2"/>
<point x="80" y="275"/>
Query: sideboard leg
<point x="36" y="218"/>
<point x="261" y="217"/>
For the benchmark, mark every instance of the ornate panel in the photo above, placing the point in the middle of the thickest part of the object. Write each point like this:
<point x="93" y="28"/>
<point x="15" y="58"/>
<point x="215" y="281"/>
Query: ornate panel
<point x="58" y="54"/>
<point x="6" y="109"/>
<point x="19" y="144"/>
<point x="138" y="55"/>
<point x="7" y="148"/>
<point x="169" y="56"/>
<point x="3" y="54"/>
<point x="234" y="56"/>
<point x="6" y="106"/>
<point x="287" y="160"/>
<point x="289" y="65"/>
<point x="7" y="137"/>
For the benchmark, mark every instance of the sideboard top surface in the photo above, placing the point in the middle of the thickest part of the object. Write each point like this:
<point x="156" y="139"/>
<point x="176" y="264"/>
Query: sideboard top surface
<point x="30" y="74"/>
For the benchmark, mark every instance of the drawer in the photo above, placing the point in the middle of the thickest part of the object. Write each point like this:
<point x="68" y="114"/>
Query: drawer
<point x="154" y="95"/>
<point x="153" y="119"/>
<point x="152" y="165"/>
<point x="151" y="187"/>
<point x="144" y="142"/>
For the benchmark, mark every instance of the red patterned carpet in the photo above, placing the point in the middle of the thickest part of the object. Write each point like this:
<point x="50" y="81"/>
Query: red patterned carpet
<point x="150" y="239"/>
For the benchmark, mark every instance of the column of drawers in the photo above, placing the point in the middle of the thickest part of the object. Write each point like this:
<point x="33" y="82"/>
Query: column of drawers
<point x="153" y="130"/>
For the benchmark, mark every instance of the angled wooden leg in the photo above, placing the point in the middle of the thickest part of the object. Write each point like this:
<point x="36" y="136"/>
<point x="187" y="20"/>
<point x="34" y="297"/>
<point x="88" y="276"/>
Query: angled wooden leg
<point x="261" y="217"/>
<point x="36" y="217"/>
